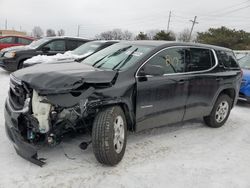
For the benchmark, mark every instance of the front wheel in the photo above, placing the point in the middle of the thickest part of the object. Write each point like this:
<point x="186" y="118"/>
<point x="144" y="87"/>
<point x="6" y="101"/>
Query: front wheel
<point x="109" y="135"/>
<point x="220" y="112"/>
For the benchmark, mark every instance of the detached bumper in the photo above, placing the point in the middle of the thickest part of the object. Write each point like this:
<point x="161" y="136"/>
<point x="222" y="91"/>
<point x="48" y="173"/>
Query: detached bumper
<point x="22" y="147"/>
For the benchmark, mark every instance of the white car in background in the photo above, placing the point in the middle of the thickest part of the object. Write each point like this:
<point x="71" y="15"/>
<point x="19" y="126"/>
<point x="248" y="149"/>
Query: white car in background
<point x="78" y="54"/>
<point x="241" y="53"/>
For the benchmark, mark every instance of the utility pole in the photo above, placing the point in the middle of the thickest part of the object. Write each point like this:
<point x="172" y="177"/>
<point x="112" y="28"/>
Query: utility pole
<point x="78" y="30"/>
<point x="6" y="24"/>
<point x="169" y="18"/>
<point x="192" y="28"/>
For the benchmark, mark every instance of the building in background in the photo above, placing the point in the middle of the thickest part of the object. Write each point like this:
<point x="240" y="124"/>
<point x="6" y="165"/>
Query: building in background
<point x="12" y="32"/>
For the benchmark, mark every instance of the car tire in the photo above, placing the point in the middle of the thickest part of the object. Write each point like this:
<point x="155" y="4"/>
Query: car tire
<point x="109" y="135"/>
<point x="220" y="112"/>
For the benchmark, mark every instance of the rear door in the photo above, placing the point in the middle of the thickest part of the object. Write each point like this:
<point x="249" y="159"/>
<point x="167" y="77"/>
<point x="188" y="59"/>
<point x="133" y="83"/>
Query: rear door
<point x="204" y="82"/>
<point x="161" y="98"/>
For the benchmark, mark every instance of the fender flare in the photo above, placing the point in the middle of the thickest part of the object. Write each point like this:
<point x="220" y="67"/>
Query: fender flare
<point x="225" y="87"/>
<point x="125" y="105"/>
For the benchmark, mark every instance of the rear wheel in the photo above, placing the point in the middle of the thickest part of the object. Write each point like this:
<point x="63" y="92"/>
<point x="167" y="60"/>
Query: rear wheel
<point x="109" y="135"/>
<point x="220" y="112"/>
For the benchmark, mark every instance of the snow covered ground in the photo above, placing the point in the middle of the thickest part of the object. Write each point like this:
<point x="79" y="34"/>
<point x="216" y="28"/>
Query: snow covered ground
<point x="184" y="155"/>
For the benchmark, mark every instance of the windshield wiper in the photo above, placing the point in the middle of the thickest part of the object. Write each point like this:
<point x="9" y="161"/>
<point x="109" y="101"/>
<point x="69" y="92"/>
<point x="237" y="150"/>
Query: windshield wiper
<point x="99" y="61"/>
<point x="113" y="54"/>
<point x="125" y="61"/>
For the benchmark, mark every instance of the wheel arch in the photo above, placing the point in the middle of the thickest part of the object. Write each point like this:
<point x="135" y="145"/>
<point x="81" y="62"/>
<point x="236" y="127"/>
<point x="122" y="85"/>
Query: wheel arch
<point x="230" y="91"/>
<point x="22" y="59"/>
<point x="127" y="109"/>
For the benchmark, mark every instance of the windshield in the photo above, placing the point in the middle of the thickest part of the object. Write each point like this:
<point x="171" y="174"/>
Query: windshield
<point x="87" y="48"/>
<point x="245" y="62"/>
<point x="117" y="56"/>
<point x="38" y="43"/>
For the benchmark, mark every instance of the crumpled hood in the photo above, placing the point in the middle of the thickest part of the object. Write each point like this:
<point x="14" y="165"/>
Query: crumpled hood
<point x="61" y="78"/>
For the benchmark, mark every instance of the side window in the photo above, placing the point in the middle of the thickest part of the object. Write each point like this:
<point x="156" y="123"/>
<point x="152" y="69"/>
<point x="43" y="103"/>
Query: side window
<point x="23" y="41"/>
<point x="169" y="61"/>
<point x="73" y="44"/>
<point x="7" y="40"/>
<point x="227" y="58"/>
<point x="200" y="59"/>
<point x="56" y="45"/>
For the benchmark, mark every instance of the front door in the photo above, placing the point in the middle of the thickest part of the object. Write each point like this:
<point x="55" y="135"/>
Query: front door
<point x="161" y="96"/>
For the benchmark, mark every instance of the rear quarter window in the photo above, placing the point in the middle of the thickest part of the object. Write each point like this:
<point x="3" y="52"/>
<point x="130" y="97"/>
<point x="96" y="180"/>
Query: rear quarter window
<point x="73" y="44"/>
<point x="227" y="58"/>
<point x="200" y="59"/>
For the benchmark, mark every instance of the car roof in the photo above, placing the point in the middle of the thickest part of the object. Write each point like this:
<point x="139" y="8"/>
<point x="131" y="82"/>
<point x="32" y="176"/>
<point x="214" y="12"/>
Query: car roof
<point x="165" y="44"/>
<point x="21" y="36"/>
<point x="68" y="37"/>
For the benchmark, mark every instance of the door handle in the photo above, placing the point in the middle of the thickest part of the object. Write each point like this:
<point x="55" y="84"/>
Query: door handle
<point x="181" y="81"/>
<point x="219" y="79"/>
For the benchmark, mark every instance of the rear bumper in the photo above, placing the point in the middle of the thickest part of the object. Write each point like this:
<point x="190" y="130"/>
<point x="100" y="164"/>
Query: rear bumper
<point x="22" y="147"/>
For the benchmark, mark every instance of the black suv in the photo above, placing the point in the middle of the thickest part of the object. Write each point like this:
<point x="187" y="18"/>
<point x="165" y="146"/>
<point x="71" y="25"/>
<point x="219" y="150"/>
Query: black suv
<point x="131" y="86"/>
<point x="12" y="58"/>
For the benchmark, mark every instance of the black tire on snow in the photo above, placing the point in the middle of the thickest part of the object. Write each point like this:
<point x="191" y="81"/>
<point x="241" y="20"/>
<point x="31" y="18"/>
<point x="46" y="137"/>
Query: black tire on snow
<point x="103" y="136"/>
<point x="211" y="119"/>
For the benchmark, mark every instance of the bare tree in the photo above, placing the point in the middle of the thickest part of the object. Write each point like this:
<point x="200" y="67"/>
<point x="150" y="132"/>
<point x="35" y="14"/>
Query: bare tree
<point x="127" y="35"/>
<point x="184" y="35"/>
<point x="115" y="34"/>
<point x="37" y="32"/>
<point x="50" y="33"/>
<point x="61" y="32"/>
<point x="107" y="35"/>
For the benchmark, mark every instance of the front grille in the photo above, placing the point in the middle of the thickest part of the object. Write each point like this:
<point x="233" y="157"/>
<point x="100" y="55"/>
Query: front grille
<point x="17" y="94"/>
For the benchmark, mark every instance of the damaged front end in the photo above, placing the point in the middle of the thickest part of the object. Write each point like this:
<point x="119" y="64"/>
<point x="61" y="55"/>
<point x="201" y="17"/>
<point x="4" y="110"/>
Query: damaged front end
<point x="19" y="122"/>
<point x="33" y="119"/>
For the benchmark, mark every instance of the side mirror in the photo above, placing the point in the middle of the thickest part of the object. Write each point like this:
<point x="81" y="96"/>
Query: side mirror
<point x="45" y="49"/>
<point x="152" y="70"/>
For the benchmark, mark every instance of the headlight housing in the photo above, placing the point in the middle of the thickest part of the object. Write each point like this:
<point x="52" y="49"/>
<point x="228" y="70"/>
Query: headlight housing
<point x="10" y="54"/>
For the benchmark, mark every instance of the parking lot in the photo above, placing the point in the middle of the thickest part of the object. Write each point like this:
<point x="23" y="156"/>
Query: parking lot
<point x="183" y="155"/>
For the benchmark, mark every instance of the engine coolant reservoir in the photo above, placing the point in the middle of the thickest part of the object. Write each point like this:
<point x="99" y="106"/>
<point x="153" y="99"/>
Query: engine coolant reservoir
<point x="41" y="112"/>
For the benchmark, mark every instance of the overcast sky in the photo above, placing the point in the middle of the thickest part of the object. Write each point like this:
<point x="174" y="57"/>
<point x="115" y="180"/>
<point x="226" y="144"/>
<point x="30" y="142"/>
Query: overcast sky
<point x="95" y="16"/>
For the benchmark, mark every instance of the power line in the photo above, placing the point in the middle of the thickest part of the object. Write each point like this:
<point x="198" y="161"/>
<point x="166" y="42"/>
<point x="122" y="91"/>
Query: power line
<point x="229" y="7"/>
<point x="231" y="11"/>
